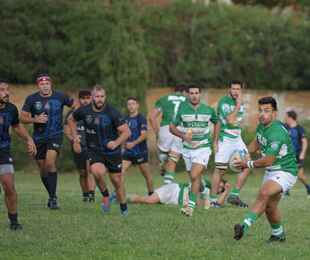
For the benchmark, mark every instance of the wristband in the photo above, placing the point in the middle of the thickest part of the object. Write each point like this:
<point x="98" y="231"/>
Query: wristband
<point x="250" y="164"/>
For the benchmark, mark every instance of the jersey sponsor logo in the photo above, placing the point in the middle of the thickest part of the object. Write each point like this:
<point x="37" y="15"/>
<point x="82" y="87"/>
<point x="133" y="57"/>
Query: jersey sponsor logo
<point x="90" y="131"/>
<point x="262" y="140"/>
<point x="38" y="105"/>
<point x="55" y="145"/>
<point x="89" y="119"/>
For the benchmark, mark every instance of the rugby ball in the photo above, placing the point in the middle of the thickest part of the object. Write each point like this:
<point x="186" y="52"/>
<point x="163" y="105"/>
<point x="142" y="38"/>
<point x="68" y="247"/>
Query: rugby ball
<point x="236" y="155"/>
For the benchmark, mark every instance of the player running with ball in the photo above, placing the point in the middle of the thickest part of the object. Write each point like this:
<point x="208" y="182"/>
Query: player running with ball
<point x="278" y="158"/>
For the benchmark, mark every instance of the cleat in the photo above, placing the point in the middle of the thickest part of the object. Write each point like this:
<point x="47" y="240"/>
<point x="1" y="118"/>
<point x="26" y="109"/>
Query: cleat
<point x="16" y="226"/>
<point x="91" y="197"/>
<point x="236" y="201"/>
<point x="239" y="231"/>
<point x="187" y="211"/>
<point x="105" y="204"/>
<point x="52" y="203"/>
<point x="124" y="213"/>
<point x="215" y="204"/>
<point x="279" y="238"/>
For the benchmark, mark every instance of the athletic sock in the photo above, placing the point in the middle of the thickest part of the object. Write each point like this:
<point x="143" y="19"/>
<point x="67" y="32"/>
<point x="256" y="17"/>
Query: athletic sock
<point x="192" y="200"/>
<point x="13" y="218"/>
<point x="169" y="177"/>
<point x="235" y="192"/>
<point x="277" y="229"/>
<point x="52" y="179"/>
<point x="45" y="182"/>
<point x="86" y="194"/>
<point x="213" y="198"/>
<point x="150" y="193"/>
<point x="105" y="193"/>
<point x="249" y="219"/>
<point x="123" y="206"/>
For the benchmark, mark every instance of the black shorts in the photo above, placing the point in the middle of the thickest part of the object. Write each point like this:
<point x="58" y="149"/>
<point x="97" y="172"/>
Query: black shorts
<point x="138" y="159"/>
<point x="112" y="162"/>
<point x="5" y="157"/>
<point x="80" y="160"/>
<point x="300" y="163"/>
<point x="49" y="144"/>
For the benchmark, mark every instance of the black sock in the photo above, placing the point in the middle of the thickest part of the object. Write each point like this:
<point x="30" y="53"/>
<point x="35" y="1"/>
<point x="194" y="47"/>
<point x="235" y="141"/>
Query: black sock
<point x="13" y="218"/>
<point x="150" y="193"/>
<point x="45" y="182"/>
<point x="92" y="193"/>
<point x="123" y="206"/>
<point x="85" y="194"/>
<point x="52" y="179"/>
<point x="105" y="193"/>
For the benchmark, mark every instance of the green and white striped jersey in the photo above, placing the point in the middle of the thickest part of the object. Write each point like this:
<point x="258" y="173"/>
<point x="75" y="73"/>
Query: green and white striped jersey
<point x="197" y="120"/>
<point x="225" y="107"/>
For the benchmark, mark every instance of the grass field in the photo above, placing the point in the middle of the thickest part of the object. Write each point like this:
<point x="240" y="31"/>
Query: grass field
<point x="80" y="231"/>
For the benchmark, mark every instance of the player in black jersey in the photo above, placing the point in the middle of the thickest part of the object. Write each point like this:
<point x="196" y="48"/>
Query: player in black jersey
<point x="9" y="118"/>
<point x="44" y="110"/>
<point x="105" y="130"/>
<point x="87" y="182"/>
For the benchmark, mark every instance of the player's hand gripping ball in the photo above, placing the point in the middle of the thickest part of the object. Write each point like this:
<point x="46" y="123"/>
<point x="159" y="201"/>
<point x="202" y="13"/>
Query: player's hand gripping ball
<point x="237" y="155"/>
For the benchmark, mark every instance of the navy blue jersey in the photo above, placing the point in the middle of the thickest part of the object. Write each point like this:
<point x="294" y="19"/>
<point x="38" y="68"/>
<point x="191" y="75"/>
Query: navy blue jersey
<point x="136" y="125"/>
<point x="8" y="117"/>
<point x="296" y="134"/>
<point x="100" y="127"/>
<point x="53" y="107"/>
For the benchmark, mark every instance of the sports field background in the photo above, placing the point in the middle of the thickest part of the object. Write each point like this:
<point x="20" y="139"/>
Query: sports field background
<point x="80" y="231"/>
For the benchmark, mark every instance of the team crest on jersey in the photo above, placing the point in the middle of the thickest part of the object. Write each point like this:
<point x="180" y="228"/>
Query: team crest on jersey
<point x="38" y="105"/>
<point x="89" y="119"/>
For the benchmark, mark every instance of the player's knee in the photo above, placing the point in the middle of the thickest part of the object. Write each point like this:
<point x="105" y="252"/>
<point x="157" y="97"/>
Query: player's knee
<point x="173" y="157"/>
<point x="163" y="157"/>
<point x="9" y="190"/>
<point x="50" y="166"/>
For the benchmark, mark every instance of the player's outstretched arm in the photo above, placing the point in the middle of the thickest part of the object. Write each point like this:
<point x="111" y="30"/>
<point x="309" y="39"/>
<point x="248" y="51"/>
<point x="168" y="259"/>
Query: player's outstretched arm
<point x="22" y="132"/>
<point x="26" y="118"/>
<point x="253" y="146"/>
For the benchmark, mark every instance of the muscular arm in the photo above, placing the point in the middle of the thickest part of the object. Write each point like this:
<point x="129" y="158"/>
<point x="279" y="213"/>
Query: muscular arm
<point x="22" y="132"/>
<point x="253" y="146"/>
<point x="232" y="117"/>
<point x="26" y="118"/>
<point x="154" y="114"/>
<point x="124" y="134"/>
<point x="216" y="131"/>
<point x="141" y="138"/>
<point x="173" y="130"/>
<point x="304" y="147"/>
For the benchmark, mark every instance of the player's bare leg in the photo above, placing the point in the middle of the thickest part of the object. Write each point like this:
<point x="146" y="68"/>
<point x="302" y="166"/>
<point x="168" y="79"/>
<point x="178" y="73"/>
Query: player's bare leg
<point x="234" y="196"/>
<point x="117" y="181"/>
<point x="51" y="170"/>
<point x="302" y="177"/>
<point x="145" y="170"/>
<point x="151" y="199"/>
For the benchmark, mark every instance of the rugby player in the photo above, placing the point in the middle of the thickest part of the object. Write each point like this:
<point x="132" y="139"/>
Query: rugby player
<point x="44" y="109"/>
<point x="228" y="139"/>
<point x="9" y="118"/>
<point x="279" y="160"/>
<point x="106" y="130"/>
<point x="136" y="152"/>
<point x="195" y="119"/>
<point x="87" y="182"/>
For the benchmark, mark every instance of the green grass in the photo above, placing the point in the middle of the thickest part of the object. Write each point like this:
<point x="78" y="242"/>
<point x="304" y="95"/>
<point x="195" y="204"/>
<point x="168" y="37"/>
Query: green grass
<point x="80" y="231"/>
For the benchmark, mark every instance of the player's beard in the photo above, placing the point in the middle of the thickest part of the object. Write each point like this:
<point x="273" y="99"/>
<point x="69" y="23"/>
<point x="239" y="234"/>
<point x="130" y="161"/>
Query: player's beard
<point x="4" y="100"/>
<point x="100" y="106"/>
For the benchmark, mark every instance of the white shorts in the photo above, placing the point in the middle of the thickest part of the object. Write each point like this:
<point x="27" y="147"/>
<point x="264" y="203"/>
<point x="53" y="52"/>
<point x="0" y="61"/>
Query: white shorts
<point x="227" y="147"/>
<point x="6" y="169"/>
<point x="284" y="179"/>
<point x="168" y="142"/>
<point x="199" y="156"/>
<point x="168" y="193"/>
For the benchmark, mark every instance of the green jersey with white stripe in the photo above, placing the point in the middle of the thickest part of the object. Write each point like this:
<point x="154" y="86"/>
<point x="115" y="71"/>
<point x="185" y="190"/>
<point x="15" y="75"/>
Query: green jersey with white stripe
<point x="169" y="106"/>
<point x="225" y="107"/>
<point x="275" y="140"/>
<point x="197" y="120"/>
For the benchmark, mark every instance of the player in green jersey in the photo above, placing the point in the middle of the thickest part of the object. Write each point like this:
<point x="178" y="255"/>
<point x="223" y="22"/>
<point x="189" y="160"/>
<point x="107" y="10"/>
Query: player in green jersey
<point x="178" y="194"/>
<point x="227" y="140"/>
<point x="194" y="119"/>
<point x="169" y="146"/>
<point x="278" y="158"/>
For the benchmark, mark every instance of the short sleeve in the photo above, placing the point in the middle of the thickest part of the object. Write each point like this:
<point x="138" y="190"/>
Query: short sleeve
<point x="117" y="118"/>
<point x="27" y="105"/>
<point x="223" y="109"/>
<point x="15" y="117"/>
<point x="78" y="114"/>
<point x="159" y="104"/>
<point x="177" y="118"/>
<point x="302" y="132"/>
<point x="143" y="123"/>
